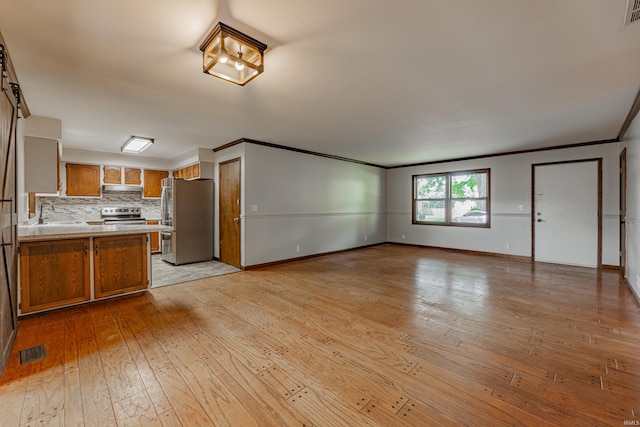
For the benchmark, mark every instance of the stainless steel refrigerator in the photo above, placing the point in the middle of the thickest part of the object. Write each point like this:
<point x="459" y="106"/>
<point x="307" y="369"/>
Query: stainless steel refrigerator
<point x="187" y="206"/>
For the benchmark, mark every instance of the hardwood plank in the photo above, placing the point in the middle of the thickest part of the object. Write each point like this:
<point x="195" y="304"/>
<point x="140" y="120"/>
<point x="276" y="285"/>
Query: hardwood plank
<point x="425" y="337"/>
<point x="96" y="401"/>
<point x="136" y="410"/>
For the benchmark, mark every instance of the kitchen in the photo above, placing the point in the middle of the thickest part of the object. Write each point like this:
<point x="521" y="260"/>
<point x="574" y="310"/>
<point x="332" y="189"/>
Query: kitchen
<point x="89" y="194"/>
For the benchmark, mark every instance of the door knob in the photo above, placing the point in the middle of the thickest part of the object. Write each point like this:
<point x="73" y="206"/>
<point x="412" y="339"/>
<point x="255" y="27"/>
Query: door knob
<point x="541" y="220"/>
<point x="236" y="219"/>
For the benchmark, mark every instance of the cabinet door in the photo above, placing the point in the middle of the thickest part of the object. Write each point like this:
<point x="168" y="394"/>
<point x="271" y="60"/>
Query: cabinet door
<point x="153" y="182"/>
<point x="132" y="176"/>
<point x="41" y="165"/>
<point x="83" y="180"/>
<point x="120" y="264"/>
<point x="112" y="175"/>
<point x="155" y="237"/>
<point x="54" y="273"/>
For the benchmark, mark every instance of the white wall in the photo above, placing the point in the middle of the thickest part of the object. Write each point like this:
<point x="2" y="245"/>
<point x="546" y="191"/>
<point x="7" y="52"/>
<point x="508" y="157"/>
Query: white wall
<point x="318" y="204"/>
<point x="632" y="143"/>
<point x="510" y="231"/>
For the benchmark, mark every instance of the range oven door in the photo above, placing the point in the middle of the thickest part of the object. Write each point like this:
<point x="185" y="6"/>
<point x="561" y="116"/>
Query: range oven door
<point x="166" y="245"/>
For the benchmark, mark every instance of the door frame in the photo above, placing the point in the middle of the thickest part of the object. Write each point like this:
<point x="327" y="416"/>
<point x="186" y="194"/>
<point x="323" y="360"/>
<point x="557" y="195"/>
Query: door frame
<point x="623" y="212"/>
<point x="220" y="208"/>
<point x="533" y="203"/>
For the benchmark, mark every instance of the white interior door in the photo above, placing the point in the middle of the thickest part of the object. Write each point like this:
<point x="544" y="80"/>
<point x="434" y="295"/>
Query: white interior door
<point x="566" y="213"/>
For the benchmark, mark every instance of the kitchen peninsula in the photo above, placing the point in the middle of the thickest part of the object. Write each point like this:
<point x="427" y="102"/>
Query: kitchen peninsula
<point x="65" y="263"/>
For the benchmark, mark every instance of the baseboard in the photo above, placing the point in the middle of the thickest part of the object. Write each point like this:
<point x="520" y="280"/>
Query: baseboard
<point x="633" y="291"/>
<point x="442" y="248"/>
<point x="288" y="260"/>
<point x="467" y="251"/>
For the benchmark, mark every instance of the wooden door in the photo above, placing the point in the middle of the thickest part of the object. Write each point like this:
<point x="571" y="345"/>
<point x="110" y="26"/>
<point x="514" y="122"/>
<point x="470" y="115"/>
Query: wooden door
<point x="623" y="213"/>
<point x="230" y="212"/>
<point x="54" y="274"/>
<point x="120" y="264"/>
<point x="8" y="220"/>
<point x="83" y="180"/>
<point x="567" y="219"/>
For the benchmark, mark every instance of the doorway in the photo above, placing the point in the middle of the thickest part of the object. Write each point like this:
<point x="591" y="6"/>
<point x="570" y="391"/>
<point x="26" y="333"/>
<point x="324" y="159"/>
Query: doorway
<point x="230" y="212"/>
<point x="567" y="212"/>
<point x="623" y="213"/>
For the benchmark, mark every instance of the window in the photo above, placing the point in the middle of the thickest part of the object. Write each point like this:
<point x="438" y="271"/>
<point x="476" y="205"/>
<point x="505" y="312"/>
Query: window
<point x="452" y="198"/>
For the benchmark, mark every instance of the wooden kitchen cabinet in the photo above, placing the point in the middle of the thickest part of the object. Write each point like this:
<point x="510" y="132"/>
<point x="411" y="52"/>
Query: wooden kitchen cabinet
<point x="132" y="176"/>
<point x="120" y="264"/>
<point x="153" y="182"/>
<point x="155" y="237"/>
<point x="83" y="180"/>
<point x="112" y="174"/>
<point x="188" y="172"/>
<point x="54" y="274"/>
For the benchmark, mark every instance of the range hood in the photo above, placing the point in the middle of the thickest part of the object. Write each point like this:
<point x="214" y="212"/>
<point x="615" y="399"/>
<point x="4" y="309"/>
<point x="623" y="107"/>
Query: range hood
<point x="120" y="188"/>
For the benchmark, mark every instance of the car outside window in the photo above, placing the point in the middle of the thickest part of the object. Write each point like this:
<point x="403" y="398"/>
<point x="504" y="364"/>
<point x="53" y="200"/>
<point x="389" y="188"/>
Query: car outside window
<point x="452" y="198"/>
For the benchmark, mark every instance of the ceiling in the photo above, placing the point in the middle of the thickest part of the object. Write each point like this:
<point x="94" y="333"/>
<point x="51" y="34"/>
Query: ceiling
<point x="388" y="83"/>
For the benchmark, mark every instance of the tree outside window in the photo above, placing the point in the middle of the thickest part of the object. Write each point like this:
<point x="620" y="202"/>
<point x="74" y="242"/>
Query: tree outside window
<point x="452" y="198"/>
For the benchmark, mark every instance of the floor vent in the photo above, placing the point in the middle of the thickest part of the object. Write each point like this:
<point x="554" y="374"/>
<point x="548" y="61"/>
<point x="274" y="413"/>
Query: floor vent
<point x="633" y="12"/>
<point x="32" y="354"/>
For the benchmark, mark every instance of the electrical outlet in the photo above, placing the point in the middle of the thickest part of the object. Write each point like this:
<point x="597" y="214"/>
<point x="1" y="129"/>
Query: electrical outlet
<point x="403" y="237"/>
<point x="507" y="245"/>
<point x="297" y="248"/>
<point x="365" y="238"/>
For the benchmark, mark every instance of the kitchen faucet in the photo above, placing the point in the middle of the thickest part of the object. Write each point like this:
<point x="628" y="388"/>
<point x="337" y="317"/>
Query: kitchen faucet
<point x="40" y="220"/>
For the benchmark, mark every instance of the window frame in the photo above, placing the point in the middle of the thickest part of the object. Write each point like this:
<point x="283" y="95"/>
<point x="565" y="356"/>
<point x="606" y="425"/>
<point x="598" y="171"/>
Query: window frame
<point x="448" y="199"/>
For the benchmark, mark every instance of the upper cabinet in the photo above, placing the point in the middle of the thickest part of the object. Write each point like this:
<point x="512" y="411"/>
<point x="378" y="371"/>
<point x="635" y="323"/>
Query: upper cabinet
<point x="153" y="182"/>
<point x="114" y="175"/>
<point x="132" y="176"/>
<point x="83" y="180"/>
<point x="198" y="170"/>
<point x="41" y="161"/>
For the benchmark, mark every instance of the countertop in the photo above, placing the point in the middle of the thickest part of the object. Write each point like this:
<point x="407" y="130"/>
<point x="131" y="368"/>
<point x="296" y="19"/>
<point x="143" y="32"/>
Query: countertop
<point x="55" y="232"/>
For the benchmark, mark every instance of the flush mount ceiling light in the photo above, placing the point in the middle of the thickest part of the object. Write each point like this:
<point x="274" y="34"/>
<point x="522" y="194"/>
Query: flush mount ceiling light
<point x="231" y="55"/>
<point x="137" y="144"/>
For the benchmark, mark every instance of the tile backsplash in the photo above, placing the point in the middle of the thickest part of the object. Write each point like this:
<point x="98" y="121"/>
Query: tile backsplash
<point x="88" y="208"/>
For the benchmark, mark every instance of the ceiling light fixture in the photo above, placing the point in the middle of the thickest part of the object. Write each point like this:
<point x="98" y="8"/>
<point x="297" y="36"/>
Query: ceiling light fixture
<point x="137" y="144"/>
<point x="231" y="55"/>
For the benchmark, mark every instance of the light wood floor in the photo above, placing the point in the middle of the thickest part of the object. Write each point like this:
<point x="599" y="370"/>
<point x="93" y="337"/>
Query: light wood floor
<point x="384" y="336"/>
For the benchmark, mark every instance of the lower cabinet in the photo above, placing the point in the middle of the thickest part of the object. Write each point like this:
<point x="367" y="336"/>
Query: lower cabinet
<point x="120" y="264"/>
<point x="54" y="274"/>
<point x="57" y="273"/>
<point x="155" y="237"/>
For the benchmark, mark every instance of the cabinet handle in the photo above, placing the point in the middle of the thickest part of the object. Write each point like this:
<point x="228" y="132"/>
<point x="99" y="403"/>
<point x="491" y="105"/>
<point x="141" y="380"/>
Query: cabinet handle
<point x="86" y="250"/>
<point x="97" y="249"/>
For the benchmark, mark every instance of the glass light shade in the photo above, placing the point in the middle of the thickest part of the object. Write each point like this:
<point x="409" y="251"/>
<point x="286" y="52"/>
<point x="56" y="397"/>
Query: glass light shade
<point x="231" y="55"/>
<point x="137" y="144"/>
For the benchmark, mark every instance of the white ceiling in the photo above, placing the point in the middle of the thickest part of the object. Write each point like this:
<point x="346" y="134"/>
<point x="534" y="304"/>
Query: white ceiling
<point x="386" y="82"/>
